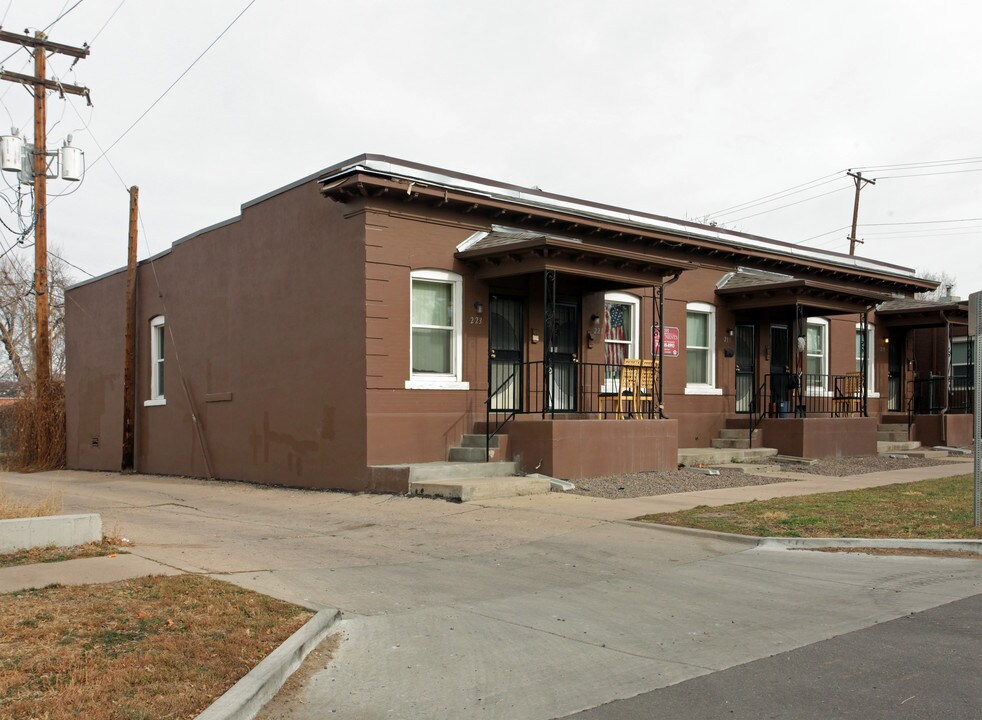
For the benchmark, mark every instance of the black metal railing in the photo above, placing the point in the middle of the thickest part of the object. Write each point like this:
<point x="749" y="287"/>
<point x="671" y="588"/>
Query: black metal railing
<point x="553" y="387"/>
<point x="938" y="394"/>
<point x="784" y="395"/>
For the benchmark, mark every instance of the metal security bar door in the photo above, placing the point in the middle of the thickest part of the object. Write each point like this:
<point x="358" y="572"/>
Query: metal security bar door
<point x="745" y="368"/>
<point x="561" y="358"/>
<point x="505" y="343"/>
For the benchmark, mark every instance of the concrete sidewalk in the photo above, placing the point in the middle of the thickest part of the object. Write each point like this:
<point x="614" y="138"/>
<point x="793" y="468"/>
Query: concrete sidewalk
<point x="628" y="508"/>
<point x="83" y="571"/>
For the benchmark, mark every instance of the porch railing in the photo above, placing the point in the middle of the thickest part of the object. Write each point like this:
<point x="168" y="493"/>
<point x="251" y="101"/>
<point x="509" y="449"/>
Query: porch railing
<point x="939" y="394"/>
<point x="553" y="387"/>
<point x="784" y="395"/>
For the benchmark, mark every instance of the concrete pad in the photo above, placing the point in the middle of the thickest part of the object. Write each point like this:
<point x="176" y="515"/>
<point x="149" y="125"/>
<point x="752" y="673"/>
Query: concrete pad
<point x="83" y="571"/>
<point x="469" y="489"/>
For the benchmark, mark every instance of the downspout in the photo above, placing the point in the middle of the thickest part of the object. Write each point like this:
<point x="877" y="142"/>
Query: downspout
<point x="947" y="381"/>
<point x="864" y="358"/>
<point x="661" y="342"/>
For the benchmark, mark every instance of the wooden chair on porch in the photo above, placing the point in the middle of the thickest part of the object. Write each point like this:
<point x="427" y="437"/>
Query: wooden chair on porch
<point x="624" y="389"/>
<point x="645" y="395"/>
<point x="847" y="396"/>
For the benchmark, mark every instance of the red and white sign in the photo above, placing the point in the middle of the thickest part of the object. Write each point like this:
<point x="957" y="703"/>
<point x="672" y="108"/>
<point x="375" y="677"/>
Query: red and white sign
<point x="671" y="346"/>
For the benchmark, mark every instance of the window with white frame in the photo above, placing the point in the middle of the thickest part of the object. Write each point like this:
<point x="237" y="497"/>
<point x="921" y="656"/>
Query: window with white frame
<point x="700" y="349"/>
<point x="962" y="369"/>
<point x="157" y="336"/>
<point x="436" y="334"/>
<point x="870" y="384"/>
<point x="817" y="354"/>
<point x="621" y="323"/>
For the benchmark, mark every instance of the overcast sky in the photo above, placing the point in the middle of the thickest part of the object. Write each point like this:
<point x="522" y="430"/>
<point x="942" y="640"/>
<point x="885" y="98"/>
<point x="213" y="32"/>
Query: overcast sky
<point x="678" y="108"/>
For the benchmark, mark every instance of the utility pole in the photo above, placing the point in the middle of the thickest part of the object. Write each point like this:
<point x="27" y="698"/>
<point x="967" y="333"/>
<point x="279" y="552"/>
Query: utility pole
<point x="40" y="84"/>
<point x="860" y="183"/>
<point x="129" y="357"/>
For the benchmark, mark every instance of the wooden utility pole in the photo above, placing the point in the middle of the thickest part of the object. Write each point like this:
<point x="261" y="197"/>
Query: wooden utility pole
<point x="860" y="183"/>
<point x="129" y="358"/>
<point x="40" y="85"/>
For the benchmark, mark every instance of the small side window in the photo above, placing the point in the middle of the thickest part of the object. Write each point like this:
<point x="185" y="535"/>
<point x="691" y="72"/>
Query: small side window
<point x="157" y="355"/>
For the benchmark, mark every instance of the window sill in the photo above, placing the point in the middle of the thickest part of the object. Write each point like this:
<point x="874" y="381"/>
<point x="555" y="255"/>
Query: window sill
<point x="437" y="385"/>
<point x="702" y="390"/>
<point x="154" y="402"/>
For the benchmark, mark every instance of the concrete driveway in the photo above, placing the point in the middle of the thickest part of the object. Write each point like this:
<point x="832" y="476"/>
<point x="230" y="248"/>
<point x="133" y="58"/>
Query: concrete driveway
<point x="514" y="611"/>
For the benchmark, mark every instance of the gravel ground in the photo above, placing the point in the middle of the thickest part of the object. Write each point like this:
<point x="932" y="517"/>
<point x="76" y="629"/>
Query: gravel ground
<point x="645" y="484"/>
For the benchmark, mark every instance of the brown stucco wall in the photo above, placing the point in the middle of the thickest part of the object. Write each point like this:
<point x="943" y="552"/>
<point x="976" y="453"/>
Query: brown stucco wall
<point x="575" y="449"/>
<point x="820" y="437"/>
<point x="265" y="324"/>
<point x="949" y="430"/>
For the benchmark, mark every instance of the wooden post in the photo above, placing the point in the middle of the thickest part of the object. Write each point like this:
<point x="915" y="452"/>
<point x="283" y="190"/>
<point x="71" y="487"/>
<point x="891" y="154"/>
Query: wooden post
<point x="42" y="344"/>
<point x="129" y="342"/>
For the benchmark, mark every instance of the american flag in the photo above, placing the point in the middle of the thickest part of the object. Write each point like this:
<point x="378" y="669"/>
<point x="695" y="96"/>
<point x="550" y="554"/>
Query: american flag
<point x="616" y="352"/>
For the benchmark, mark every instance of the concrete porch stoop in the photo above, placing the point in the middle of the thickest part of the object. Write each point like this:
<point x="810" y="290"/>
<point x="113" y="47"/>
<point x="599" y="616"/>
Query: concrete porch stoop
<point x="691" y="457"/>
<point x="893" y="438"/>
<point x="466" y="481"/>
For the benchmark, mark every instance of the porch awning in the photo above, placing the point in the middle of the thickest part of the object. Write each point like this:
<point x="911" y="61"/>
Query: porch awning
<point x="506" y="252"/>
<point x="915" y="313"/>
<point x="754" y="290"/>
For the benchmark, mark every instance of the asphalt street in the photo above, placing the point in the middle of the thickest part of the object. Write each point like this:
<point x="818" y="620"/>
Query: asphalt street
<point x="924" y="665"/>
<point x="527" y="611"/>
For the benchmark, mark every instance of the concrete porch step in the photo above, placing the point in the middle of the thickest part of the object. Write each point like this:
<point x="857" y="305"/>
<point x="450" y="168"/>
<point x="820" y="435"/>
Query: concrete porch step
<point x="926" y="453"/>
<point x="889" y="436"/>
<point x="479" y="440"/>
<point x="892" y="427"/>
<point x="479" y="488"/>
<point x="424" y="472"/>
<point x="719" y="456"/>
<point x="737" y="433"/>
<point x="730" y="442"/>
<point x="896" y="447"/>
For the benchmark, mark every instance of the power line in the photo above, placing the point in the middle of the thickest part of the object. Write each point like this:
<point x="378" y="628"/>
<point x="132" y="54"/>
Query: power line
<point x="179" y="78"/>
<point x="99" y="32"/>
<point x="797" y="202"/>
<point x="51" y="24"/>
<point x="804" y="186"/>
<point x="897" y="166"/>
<point x="4" y="18"/>
<point x="945" y="172"/>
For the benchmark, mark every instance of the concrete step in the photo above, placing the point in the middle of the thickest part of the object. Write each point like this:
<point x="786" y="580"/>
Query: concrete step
<point x="738" y="433"/>
<point x="479" y="488"/>
<point x="424" y="472"/>
<point x="470" y="454"/>
<point x="731" y="442"/>
<point x="719" y="456"/>
<point x="896" y="447"/>
<point x="479" y="441"/>
<point x="925" y="453"/>
<point x="891" y="436"/>
<point x="892" y="427"/>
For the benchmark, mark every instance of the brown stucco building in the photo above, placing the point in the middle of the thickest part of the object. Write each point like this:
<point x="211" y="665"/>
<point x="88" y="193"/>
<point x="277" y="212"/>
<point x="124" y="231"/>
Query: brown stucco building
<point x="373" y="314"/>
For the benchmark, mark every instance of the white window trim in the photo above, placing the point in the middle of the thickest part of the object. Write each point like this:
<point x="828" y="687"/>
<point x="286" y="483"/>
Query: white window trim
<point x="634" y="344"/>
<point x="437" y="381"/>
<point x="964" y="340"/>
<point x="704" y="388"/>
<point x="870" y="360"/>
<point x="818" y="391"/>
<point x="156" y="397"/>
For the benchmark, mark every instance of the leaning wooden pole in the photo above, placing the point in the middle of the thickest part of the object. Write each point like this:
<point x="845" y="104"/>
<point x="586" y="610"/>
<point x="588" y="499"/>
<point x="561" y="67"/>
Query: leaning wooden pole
<point x="42" y="343"/>
<point x="129" y="355"/>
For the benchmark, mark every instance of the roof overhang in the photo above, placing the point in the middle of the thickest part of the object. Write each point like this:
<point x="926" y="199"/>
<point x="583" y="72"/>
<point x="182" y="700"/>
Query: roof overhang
<point x="380" y="178"/>
<point x="913" y="315"/>
<point x="829" y="298"/>
<point x="526" y="253"/>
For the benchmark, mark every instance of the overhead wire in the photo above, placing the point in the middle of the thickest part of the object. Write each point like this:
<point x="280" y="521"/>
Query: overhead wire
<point x="176" y="81"/>
<point x="63" y="14"/>
<point x="805" y="186"/>
<point x="797" y="202"/>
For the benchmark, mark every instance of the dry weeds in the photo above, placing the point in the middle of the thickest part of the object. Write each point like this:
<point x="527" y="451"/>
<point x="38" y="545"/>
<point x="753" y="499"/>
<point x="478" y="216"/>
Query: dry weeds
<point x="108" y="546"/>
<point x="10" y="508"/>
<point x="157" y="647"/>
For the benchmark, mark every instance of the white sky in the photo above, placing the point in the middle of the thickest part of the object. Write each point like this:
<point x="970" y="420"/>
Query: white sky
<point x="676" y="108"/>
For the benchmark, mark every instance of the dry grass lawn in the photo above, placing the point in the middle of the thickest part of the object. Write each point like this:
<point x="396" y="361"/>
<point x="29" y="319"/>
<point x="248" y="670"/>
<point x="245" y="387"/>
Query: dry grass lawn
<point x="929" y="509"/>
<point x="108" y="546"/>
<point x="10" y="508"/>
<point x="157" y="647"/>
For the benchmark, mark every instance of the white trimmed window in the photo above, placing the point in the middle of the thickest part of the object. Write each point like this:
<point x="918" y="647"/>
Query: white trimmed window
<point x="157" y="336"/>
<point x="962" y="370"/>
<point x="436" y="333"/>
<point x="817" y="354"/>
<point x="622" y="318"/>
<point x="700" y="349"/>
<point x="870" y="335"/>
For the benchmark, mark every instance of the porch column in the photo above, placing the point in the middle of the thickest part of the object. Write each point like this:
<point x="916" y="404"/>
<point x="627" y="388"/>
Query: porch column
<point x="549" y="335"/>
<point x="864" y="357"/>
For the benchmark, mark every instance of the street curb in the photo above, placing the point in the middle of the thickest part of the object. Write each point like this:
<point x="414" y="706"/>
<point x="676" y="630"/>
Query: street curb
<point x="778" y="543"/>
<point x="246" y="698"/>
<point x="787" y="543"/>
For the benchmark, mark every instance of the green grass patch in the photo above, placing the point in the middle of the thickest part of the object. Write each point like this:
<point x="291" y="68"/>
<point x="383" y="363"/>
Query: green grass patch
<point x="930" y="509"/>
